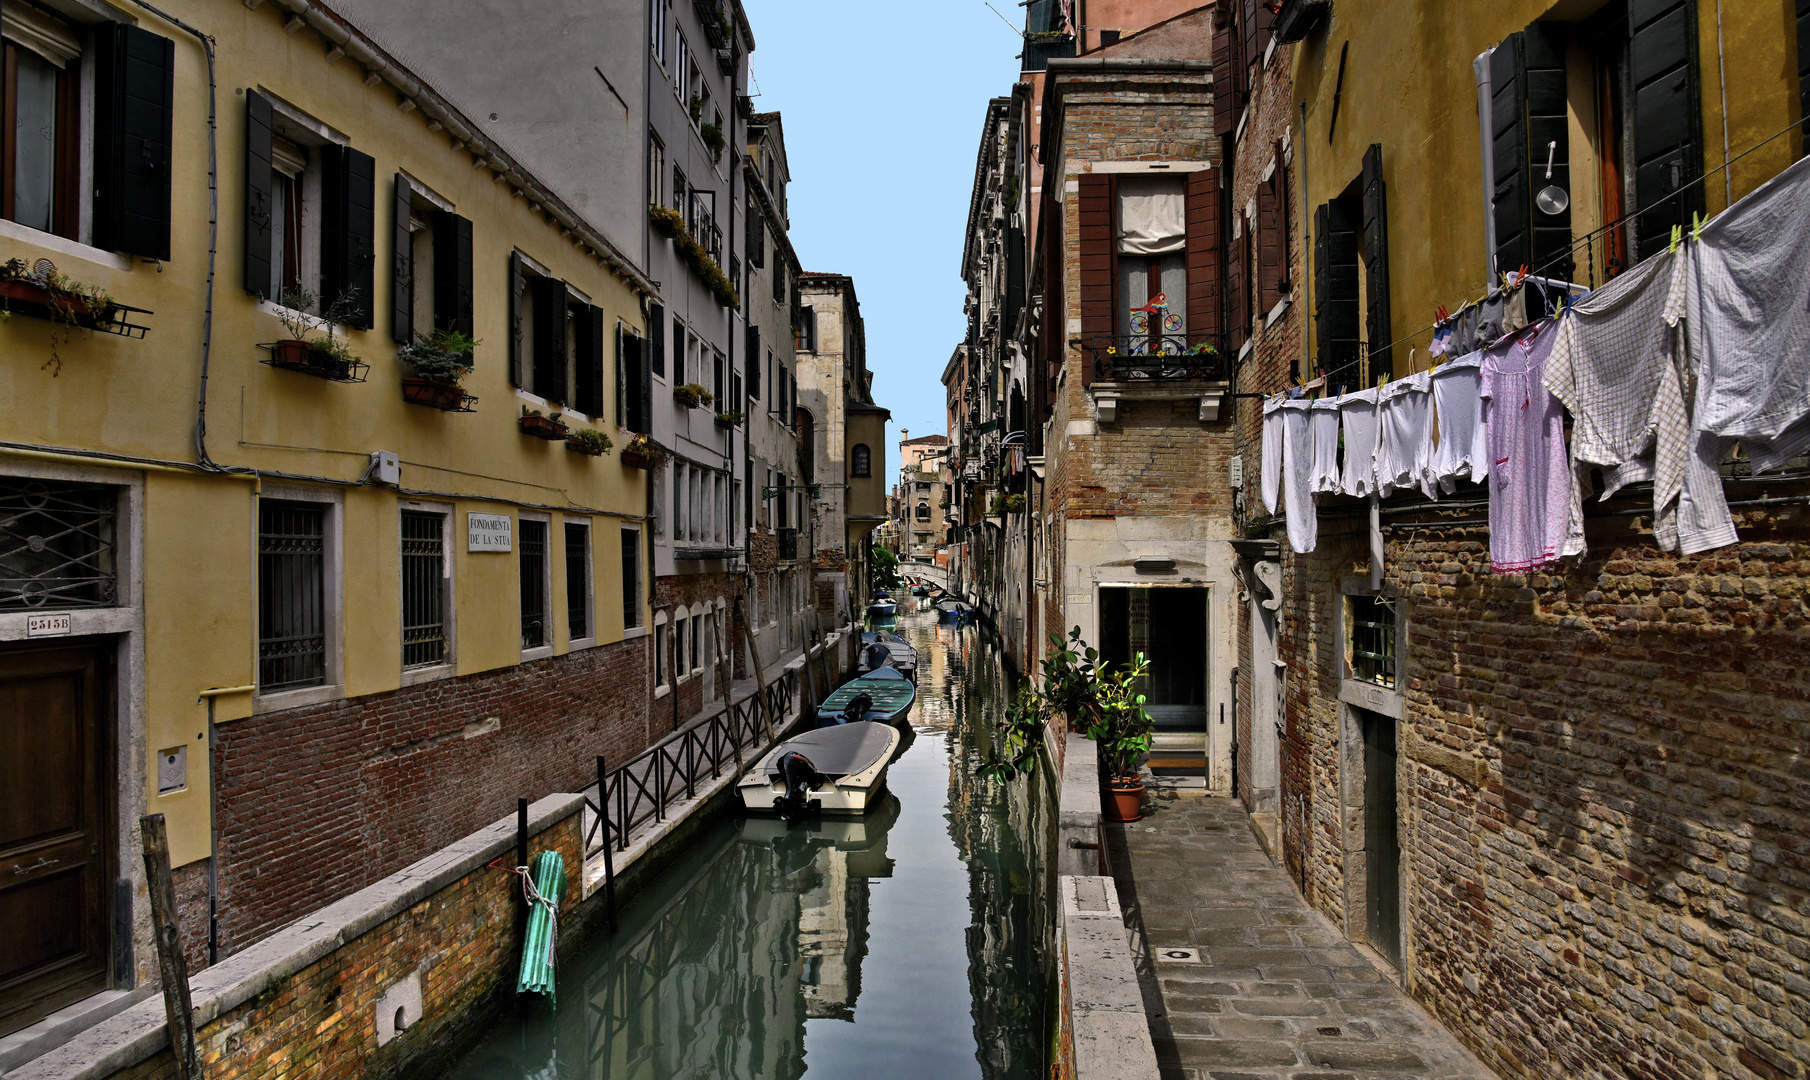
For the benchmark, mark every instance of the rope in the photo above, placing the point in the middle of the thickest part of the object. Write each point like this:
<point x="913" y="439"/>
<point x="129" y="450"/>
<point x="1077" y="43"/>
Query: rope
<point x="532" y="896"/>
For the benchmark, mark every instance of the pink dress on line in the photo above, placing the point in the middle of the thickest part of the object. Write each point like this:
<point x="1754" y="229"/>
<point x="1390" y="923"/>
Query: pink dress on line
<point x="1530" y="482"/>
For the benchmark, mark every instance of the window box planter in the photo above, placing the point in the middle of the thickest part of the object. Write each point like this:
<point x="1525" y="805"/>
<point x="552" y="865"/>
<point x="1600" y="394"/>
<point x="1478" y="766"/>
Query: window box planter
<point x="306" y="358"/>
<point x="543" y="427"/>
<point x="665" y="221"/>
<point x="728" y="419"/>
<point x="589" y="442"/>
<point x="643" y="453"/>
<point x="691" y="395"/>
<point x="446" y="397"/>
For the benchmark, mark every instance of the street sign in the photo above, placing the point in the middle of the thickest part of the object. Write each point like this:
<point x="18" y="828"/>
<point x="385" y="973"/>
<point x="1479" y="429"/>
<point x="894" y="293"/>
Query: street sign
<point x="489" y="532"/>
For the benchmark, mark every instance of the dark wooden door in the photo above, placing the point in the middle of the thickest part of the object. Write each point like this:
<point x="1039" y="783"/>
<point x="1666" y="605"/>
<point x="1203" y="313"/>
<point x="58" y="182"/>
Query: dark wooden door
<point x="56" y="827"/>
<point x="1382" y="838"/>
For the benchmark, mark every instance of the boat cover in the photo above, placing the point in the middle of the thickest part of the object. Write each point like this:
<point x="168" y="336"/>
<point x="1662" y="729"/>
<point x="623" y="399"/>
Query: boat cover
<point x="891" y="691"/>
<point x="837" y="751"/>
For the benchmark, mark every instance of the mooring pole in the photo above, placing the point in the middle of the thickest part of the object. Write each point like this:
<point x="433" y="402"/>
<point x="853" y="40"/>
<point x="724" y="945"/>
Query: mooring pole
<point x="609" y="859"/>
<point x="172" y="969"/>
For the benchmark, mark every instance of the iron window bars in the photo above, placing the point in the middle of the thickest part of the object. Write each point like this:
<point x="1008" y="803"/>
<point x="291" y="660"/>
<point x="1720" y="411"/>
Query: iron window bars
<point x="533" y="556"/>
<point x="57" y="546"/>
<point x="423" y="589"/>
<point x="578" y="572"/>
<point x="292" y="634"/>
<point x="1158" y="356"/>
<point x="1373" y="640"/>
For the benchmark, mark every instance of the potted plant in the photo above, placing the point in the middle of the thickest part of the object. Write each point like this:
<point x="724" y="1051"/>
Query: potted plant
<point x="41" y="291"/>
<point x="691" y="395"/>
<point x="642" y="452"/>
<point x="666" y="221"/>
<point x="588" y="441"/>
<point x="440" y="359"/>
<point x="533" y="423"/>
<point x="311" y="347"/>
<point x="696" y="107"/>
<point x="729" y="419"/>
<point x="713" y="138"/>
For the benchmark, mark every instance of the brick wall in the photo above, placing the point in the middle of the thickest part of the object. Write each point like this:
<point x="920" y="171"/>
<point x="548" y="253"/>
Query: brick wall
<point x="1603" y="793"/>
<point x="690" y="590"/>
<point x="318" y="802"/>
<point x="319" y="1020"/>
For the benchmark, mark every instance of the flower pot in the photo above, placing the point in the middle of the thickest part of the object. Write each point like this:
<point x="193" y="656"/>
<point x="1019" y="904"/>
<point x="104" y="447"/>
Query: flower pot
<point x="639" y="461"/>
<point x="30" y="298"/>
<point x="577" y="449"/>
<point x="542" y="427"/>
<point x="305" y="357"/>
<point x="1124" y="801"/>
<point x="435" y="395"/>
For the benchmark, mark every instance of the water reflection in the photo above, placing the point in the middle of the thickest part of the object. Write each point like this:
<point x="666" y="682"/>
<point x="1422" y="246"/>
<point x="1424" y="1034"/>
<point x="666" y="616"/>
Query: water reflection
<point x="907" y="943"/>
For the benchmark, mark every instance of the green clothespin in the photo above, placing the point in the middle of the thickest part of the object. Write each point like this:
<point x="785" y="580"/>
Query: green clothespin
<point x="1677" y="235"/>
<point x="1696" y="226"/>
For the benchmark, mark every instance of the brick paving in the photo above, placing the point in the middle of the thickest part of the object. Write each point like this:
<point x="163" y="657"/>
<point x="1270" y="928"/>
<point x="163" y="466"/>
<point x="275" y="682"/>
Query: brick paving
<point x="1277" y="991"/>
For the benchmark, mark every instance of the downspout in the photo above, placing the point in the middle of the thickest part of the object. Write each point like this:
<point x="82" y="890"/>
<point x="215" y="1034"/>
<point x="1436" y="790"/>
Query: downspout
<point x="1480" y="68"/>
<point x="1306" y="244"/>
<point x="1728" y="176"/>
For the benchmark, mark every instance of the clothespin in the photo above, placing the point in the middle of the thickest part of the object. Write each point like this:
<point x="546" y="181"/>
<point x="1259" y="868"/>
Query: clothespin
<point x="1677" y="235"/>
<point x="1696" y="225"/>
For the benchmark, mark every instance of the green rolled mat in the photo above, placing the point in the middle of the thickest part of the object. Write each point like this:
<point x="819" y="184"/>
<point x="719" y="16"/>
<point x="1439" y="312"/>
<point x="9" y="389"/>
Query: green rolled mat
<point x="548" y="874"/>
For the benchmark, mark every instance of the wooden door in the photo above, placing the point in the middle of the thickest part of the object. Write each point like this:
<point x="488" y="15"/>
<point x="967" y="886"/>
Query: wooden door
<point x="56" y="827"/>
<point x="1382" y="838"/>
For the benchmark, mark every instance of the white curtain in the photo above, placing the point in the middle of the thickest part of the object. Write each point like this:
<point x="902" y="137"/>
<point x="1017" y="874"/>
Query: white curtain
<point x="1153" y="215"/>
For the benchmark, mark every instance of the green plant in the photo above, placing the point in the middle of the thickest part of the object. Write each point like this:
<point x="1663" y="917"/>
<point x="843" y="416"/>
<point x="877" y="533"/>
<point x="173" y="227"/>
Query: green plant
<point x="67" y="301"/>
<point x="442" y="356"/>
<point x="589" y="441"/>
<point x="1094" y="697"/>
<point x="715" y="140"/>
<point x="883" y="573"/>
<point x="731" y="418"/>
<point x="692" y="395"/>
<point x="296" y="313"/>
<point x="644" y="446"/>
<point x="670" y="223"/>
<point x="1005" y="504"/>
<point x="696" y="107"/>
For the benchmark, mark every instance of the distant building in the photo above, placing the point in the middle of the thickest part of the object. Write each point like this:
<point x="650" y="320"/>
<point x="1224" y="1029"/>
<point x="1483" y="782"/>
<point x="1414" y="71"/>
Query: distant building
<point x="922" y="496"/>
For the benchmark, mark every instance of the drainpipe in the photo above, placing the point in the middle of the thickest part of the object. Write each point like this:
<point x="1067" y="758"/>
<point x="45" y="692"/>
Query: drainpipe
<point x="1480" y="68"/>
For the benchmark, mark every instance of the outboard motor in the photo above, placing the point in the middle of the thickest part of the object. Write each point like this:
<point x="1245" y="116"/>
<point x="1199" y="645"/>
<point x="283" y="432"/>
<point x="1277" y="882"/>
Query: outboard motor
<point x="856" y="709"/>
<point x="801" y="777"/>
<point x="875" y="656"/>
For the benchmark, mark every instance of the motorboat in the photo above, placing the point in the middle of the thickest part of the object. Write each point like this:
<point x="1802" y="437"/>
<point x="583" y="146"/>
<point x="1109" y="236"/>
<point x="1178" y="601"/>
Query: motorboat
<point x="883" y="696"/>
<point x="884" y="609"/>
<point x="877" y="653"/>
<point x="952" y="611"/>
<point x="920" y="590"/>
<point x="832" y="770"/>
<point x="882" y="635"/>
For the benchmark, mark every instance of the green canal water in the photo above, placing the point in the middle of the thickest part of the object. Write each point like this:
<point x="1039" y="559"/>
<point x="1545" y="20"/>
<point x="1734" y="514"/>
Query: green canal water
<point x="910" y="943"/>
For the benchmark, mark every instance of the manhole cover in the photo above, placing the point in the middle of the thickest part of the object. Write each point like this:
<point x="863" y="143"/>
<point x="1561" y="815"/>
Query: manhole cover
<point x="1178" y="956"/>
<point x="1328" y="1031"/>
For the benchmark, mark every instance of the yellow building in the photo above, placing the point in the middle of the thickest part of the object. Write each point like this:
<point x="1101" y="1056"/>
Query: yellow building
<point x="322" y="614"/>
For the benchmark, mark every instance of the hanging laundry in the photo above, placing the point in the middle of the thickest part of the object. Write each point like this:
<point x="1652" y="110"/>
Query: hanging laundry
<point x="1614" y="365"/>
<point x="1533" y="521"/>
<point x="1323" y="417"/>
<point x="1357" y="417"/>
<point x="1748" y="323"/>
<point x="1514" y="313"/>
<point x="1270" y="485"/>
<point x="1489" y="318"/>
<point x="1462" y="452"/>
<point x="1297" y="469"/>
<point x="1405" y="420"/>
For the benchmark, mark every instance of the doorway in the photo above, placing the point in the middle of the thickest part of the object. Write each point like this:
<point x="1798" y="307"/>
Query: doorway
<point x="1168" y="625"/>
<point x="1382" y="838"/>
<point x="56" y="827"/>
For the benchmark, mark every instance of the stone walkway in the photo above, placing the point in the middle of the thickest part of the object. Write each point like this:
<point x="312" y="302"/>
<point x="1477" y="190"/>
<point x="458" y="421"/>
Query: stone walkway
<point x="1277" y="991"/>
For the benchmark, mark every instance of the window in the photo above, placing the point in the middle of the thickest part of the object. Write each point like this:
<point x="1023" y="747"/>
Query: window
<point x="556" y="344"/>
<point x="656" y="167"/>
<point x="681" y="344"/>
<point x="430" y="275"/>
<point x="861" y="459"/>
<point x="578" y="581"/>
<point x="425" y="578"/>
<point x="752" y="363"/>
<point x="531" y="554"/>
<point x="779" y="280"/>
<point x="1152" y="263"/>
<point x="681" y="194"/>
<point x="691" y="646"/>
<point x="1372" y="640"/>
<point x="292" y="604"/>
<point x="41" y="179"/>
<point x="923" y="511"/>
<point x="716" y="379"/>
<point x="657" y="17"/>
<point x="678" y="647"/>
<point x="57" y="546"/>
<point x="681" y="63"/>
<point x="631" y="578"/>
<point x="757" y="233"/>
<point x="678" y="501"/>
<point x="659" y="656"/>
<point x="805" y="336"/>
<point x="656" y="343"/>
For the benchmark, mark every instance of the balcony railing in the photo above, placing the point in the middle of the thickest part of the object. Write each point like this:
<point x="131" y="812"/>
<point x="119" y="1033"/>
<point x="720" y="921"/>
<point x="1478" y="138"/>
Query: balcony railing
<point x="1162" y="357"/>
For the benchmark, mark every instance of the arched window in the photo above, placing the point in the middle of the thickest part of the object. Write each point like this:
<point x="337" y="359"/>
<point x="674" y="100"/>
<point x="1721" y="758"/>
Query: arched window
<point x="862" y="460"/>
<point x="923" y="511"/>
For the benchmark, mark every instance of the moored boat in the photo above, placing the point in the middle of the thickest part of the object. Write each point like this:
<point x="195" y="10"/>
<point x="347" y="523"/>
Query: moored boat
<point x="884" y="695"/>
<point x="883" y="609"/>
<point x="832" y="770"/>
<point x="891" y="652"/>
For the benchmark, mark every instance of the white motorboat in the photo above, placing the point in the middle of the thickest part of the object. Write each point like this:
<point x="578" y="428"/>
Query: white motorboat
<point x="832" y="770"/>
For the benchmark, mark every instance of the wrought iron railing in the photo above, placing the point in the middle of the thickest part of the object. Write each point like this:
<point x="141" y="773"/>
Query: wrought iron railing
<point x="1172" y="357"/>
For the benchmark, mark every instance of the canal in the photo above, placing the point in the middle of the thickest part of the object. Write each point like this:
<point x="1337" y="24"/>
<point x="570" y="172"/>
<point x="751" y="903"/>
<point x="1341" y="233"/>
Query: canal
<point x="909" y="943"/>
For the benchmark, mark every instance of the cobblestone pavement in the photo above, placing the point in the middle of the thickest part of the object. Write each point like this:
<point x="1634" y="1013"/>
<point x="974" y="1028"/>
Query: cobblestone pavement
<point x="1277" y="991"/>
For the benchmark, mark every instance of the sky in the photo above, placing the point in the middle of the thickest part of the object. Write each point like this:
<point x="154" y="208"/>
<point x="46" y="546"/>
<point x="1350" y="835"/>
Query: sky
<point x="882" y="152"/>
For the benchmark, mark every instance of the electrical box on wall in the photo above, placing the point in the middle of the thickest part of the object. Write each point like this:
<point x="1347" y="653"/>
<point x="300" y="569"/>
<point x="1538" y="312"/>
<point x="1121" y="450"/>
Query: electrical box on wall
<point x="172" y="769"/>
<point x="1237" y="471"/>
<point x="386" y="467"/>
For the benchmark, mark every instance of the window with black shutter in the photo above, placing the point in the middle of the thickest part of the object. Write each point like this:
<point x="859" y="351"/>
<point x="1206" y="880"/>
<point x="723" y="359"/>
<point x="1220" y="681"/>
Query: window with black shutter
<point x="1376" y="261"/>
<point x="261" y="208"/>
<point x="348" y="231"/>
<point x="519" y="315"/>
<point x="1529" y="134"/>
<point x="134" y="106"/>
<point x="587" y="361"/>
<point x="548" y="298"/>
<point x="40" y="138"/>
<point x="632" y="369"/>
<point x="402" y="262"/>
<point x="752" y="352"/>
<point x="656" y="338"/>
<point x="1336" y="226"/>
<point x="1666" y="145"/>
<point x="451" y="237"/>
<point x="757" y="235"/>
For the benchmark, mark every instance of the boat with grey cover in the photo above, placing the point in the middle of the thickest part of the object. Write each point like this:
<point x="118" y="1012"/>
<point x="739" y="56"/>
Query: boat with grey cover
<point x="832" y="770"/>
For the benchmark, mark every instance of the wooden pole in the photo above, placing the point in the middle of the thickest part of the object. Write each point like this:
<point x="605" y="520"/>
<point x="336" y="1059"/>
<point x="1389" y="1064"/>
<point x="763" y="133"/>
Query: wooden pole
<point x="609" y="861"/>
<point x="172" y="969"/>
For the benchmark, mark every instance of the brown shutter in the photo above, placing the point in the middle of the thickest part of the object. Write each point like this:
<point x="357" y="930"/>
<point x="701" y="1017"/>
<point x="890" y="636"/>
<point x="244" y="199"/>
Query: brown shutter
<point x="1237" y="273"/>
<point x="1093" y="204"/>
<point x="1203" y="254"/>
<point x="1269" y="242"/>
<point x="1225" y="78"/>
<point x="1055" y="297"/>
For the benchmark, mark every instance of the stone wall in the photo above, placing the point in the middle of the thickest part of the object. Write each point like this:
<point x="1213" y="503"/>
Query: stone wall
<point x="316" y="803"/>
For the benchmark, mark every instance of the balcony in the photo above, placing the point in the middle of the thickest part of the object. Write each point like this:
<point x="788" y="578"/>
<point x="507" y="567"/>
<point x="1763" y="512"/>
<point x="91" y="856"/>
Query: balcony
<point x="713" y="15"/>
<point x="1157" y="367"/>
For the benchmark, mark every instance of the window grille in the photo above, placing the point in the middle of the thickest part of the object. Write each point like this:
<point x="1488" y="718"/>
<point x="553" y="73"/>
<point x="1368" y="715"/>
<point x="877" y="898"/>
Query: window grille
<point x="533" y="555"/>
<point x="292" y="623"/>
<point x="57" y="546"/>
<point x="1373" y="640"/>
<point x="423" y="589"/>
<point x="578" y="575"/>
<point x="631" y="578"/>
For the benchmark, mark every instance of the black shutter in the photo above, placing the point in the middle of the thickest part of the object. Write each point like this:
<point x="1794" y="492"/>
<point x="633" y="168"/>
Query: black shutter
<point x="517" y="298"/>
<point x="452" y="272"/>
<point x="1803" y="63"/>
<point x="134" y="102"/>
<point x="1528" y="119"/>
<point x="644" y="387"/>
<point x="1014" y="279"/>
<point x="587" y="369"/>
<point x="259" y="213"/>
<point x="757" y="234"/>
<point x="753" y="361"/>
<point x="1336" y="288"/>
<point x="656" y="337"/>
<point x="549" y="296"/>
<point x="348" y="230"/>
<point x="632" y="378"/>
<point x="1662" y="68"/>
<point x="1376" y="262"/>
<point x="402" y="264"/>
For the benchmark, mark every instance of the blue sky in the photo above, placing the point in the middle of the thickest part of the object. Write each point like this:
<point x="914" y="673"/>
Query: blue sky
<point x="881" y="134"/>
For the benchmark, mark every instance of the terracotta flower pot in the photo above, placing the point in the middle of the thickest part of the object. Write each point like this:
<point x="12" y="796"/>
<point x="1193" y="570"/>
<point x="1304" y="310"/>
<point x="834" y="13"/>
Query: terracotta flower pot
<point x="1124" y="802"/>
<point x="638" y="461"/>
<point x="435" y="395"/>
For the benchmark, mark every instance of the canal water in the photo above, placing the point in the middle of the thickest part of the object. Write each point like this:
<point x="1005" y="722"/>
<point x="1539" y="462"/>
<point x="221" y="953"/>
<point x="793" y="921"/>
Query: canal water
<point x="909" y="943"/>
